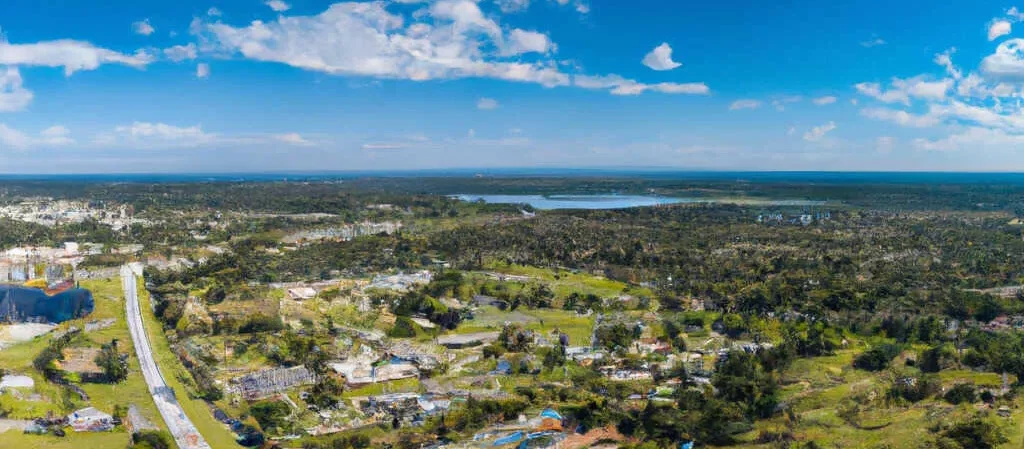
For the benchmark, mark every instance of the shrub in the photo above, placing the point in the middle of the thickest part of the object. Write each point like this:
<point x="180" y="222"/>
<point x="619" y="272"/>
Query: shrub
<point x="877" y="358"/>
<point x="961" y="393"/>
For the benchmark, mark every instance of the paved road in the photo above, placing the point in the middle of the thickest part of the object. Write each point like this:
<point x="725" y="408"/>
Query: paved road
<point x="181" y="428"/>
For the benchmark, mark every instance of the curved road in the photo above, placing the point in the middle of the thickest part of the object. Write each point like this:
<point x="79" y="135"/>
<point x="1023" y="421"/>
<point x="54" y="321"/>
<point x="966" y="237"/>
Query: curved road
<point x="184" y="432"/>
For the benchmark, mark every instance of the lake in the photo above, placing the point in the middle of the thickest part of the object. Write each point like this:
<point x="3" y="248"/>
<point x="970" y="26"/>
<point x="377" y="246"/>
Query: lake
<point x="594" y="202"/>
<point x="552" y="202"/>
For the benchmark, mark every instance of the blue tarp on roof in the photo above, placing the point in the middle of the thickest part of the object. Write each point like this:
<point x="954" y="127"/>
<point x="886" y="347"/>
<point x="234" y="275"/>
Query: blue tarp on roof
<point x="549" y="413"/>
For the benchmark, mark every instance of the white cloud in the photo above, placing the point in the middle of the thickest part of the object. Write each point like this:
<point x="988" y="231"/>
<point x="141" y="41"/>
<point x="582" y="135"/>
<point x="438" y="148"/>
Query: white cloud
<point x="53" y="136"/>
<point x="661" y="58"/>
<point x="945" y="59"/>
<point x="974" y="138"/>
<point x="293" y="139"/>
<point x="618" y="85"/>
<point x="13" y="95"/>
<point x="278" y="5"/>
<point x="202" y="70"/>
<point x="873" y="42"/>
<point x="180" y="53"/>
<point x="998" y="28"/>
<point x="791" y="131"/>
<point x="815" y="134"/>
<point x="143" y="27"/>
<point x="365" y="39"/>
<point x="69" y="54"/>
<point x="449" y="39"/>
<point x="1007" y="62"/>
<point x="487" y="104"/>
<point x="744" y="104"/>
<point x="901" y="90"/>
<point x="930" y="90"/>
<point x="213" y="12"/>
<point x="521" y="41"/>
<point x="901" y="118"/>
<point x="821" y="101"/>
<point x="155" y="136"/>
<point x="780" y="102"/>
<point x="512" y="6"/>
<point x="164" y="133"/>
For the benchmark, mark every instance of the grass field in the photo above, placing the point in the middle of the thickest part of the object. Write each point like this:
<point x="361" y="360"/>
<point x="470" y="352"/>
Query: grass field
<point x="578" y="327"/>
<point x="18" y="358"/>
<point x="215" y="433"/>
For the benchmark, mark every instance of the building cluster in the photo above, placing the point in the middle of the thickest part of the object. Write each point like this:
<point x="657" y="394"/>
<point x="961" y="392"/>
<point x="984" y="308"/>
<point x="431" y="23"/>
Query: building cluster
<point x="49" y="212"/>
<point x="803" y="219"/>
<point x="268" y="382"/>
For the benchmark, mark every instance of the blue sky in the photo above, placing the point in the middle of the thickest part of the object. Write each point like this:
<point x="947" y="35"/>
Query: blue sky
<point x="214" y="86"/>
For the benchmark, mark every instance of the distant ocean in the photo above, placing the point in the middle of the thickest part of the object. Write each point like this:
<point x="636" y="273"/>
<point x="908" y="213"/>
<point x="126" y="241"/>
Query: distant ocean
<point x="653" y="174"/>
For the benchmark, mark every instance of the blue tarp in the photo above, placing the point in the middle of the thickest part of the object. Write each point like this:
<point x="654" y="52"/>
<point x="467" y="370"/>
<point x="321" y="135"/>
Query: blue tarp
<point x="508" y="439"/>
<point x="686" y="445"/>
<point x="549" y="413"/>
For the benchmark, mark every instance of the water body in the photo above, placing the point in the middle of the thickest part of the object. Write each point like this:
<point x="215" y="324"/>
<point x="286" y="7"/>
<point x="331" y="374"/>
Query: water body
<point x="19" y="303"/>
<point x="553" y="202"/>
<point x="600" y="202"/>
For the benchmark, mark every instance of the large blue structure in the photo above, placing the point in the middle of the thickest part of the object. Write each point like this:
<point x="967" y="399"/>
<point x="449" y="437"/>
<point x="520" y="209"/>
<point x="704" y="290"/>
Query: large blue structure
<point x="19" y="303"/>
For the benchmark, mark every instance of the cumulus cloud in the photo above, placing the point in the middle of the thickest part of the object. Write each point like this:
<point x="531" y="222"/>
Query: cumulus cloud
<point x="365" y="39"/>
<point x="143" y="27"/>
<point x="70" y="54"/>
<point x="998" y="28"/>
<point x="202" y="70"/>
<point x="13" y="95"/>
<point x="821" y="101"/>
<point x="487" y="104"/>
<point x="521" y="41"/>
<point x="213" y="12"/>
<point x="278" y="5"/>
<point x="180" y="53"/>
<point x="744" y="104"/>
<point x="818" y="132"/>
<point x="661" y="58"/>
<point x="1007" y="62"/>
<point x="447" y="39"/>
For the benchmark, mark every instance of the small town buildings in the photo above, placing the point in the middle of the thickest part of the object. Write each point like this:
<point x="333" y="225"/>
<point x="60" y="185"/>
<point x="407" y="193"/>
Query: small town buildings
<point x="90" y="420"/>
<point x="269" y="382"/>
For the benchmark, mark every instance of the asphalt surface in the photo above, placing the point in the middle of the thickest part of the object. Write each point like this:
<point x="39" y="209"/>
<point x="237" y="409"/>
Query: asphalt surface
<point x="180" y="426"/>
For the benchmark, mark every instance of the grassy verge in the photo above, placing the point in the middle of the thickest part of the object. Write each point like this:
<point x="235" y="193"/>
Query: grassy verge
<point x="215" y="433"/>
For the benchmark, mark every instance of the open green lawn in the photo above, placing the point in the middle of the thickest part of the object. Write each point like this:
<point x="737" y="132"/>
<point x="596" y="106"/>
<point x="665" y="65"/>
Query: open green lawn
<point x="579" y="328"/>
<point x="18" y="358"/>
<point x="215" y="433"/>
